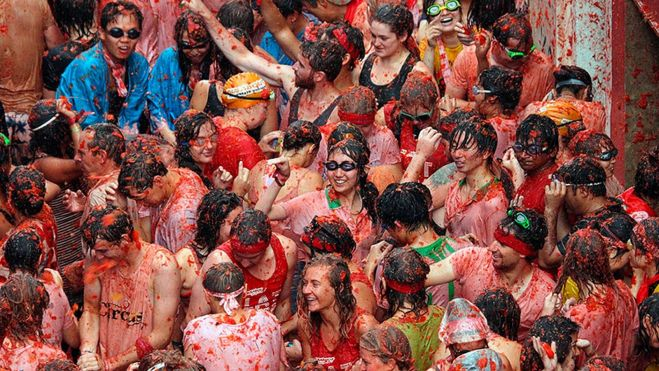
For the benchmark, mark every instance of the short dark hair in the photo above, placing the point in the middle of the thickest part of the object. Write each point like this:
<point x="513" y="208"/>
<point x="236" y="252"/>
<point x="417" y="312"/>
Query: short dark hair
<point x="503" y="83"/>
<point x="474" y="131"/>
<point x="329" y="234"/>
<point x="114" y="9"/>
<point x="58" y="365"/>
<point x="48" y="139"/>
<point x="170" y="359"/>
<point x="646" y="178"/>
<point x="300" y="133"/>
<point x="566" y="73"/>
<point x="223" y="278"/>
<point x="550" y="329"/>
<point x="535" y="235"/>
<point x="584" y="173"/>
<point x="251" y="227"/>
<point x="236" y="14"/>
<point x="608" y="363"/>
<point x="75" y="16"/>
<point x="406" y="203"/>
<point x="449" y="122"/>
<point x="109" y="224"/>
<point x="324" y="56"/>
<point x="108" y="137"/>
<point x="139" y="170"/>
<point x="405" y="266"/>
<point x="513" y="25"/>
<point x="214" y="208"/>
<point x="353" y="36"/>
<point x="543" y="129"/>
<point x="345" y="130"/>
<point x="289" y="7"/>
<point x="22" y="251"/>
<point x="501" y="310"/>
<point x="648" y="308"/>
<point x="483" y="13"/>
<point x="27" y="189"/>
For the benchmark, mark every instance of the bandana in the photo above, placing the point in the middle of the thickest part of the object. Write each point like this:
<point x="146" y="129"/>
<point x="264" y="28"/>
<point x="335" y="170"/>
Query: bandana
<point x="404" y="288"/>
<point x="342" y="38"/>
<point x="240" y="248"/>
<point x="360" y="119"/>
<point x="514" y="243"/>
<point x="118" y="73"/>
<point x="228" y="299"/>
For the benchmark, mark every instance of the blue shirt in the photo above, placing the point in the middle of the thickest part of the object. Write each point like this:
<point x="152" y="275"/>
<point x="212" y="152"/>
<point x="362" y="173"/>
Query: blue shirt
<point x="270" y="45"/>
<point x="85" y="84"/>
<point x="168" y="97"/>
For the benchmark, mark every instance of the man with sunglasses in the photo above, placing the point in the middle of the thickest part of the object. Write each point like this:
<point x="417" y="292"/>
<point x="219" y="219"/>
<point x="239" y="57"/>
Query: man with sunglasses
<point x="108" y="82"/>
<point x="510" y="46"/>
<point x="578" y="187"/>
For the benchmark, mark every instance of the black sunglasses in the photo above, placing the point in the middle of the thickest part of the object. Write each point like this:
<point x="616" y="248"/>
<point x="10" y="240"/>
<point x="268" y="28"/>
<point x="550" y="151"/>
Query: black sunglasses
<point x="345" y="166"/>
<point x="421" y="117"/>
<point x="608" y="156"/>
<point x="531" y="149"/>
<point x="118" y="33"/>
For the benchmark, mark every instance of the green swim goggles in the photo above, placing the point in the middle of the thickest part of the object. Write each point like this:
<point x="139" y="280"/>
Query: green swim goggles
<point x="450" y="5"/>
<point x="516" y="54"/>
<point x="519" y="218"/>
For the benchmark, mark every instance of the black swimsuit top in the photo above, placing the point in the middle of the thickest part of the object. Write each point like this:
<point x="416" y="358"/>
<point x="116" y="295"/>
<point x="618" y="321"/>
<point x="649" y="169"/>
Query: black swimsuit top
<point x="320" y="120"/>
<point x="213" y="106"/>
<point x="390" y="91"/>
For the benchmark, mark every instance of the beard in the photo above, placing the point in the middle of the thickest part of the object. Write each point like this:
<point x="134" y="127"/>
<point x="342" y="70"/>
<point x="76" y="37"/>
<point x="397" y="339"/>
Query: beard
<point x="304" y="82"/>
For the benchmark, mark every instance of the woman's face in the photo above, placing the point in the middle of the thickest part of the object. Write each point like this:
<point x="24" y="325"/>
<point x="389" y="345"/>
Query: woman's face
<point x="606" y="159"/>
<point x="446" y="19"/>
<point x="195" y="51"/>
<point x="317" y="290"/>
<point x="466" y="157"/>
<point x="202" y="148"/>
<point x="385" y="42"/>
<point x="342" y="181"/>
<point x="371" y="362"/>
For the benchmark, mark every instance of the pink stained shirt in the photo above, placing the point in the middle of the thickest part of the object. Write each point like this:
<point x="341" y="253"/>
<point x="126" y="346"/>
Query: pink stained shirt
<point x="475" y="272"/>
<point x="28" y="357"/>
<point x="301" y="210"/>
<point x="174" y="222"/>
<point x="505" y="128"/>
<point x="609" y="320"/>
<point x="255" y="344"/>
<point x="593" y="113"/>
<point x="59" y="315"/>
<point x="383" y="146"/>
<point x="479" y="216"/>
<point x="537" y="73"/>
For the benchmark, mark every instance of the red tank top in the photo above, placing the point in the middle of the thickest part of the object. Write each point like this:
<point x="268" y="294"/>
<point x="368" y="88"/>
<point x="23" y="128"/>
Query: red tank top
<point x="264" y="294"/>
<point x="345" y="354"/>
<point x="408" y="149"/>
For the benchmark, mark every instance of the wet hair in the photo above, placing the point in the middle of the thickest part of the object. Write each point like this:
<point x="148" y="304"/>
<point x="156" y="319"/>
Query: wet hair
<point x="198" y="34"/>
<point x="324" y="56"/>
<point x="513" y="25"/>
<point x="406" y="266"/>
<point x="147" y="143"/>
<point x="565" y="73"/>
<point x="251" y="227"/>
<point x="109" y="224"/>
<point x="139" y="170"/>
<point x="539" y="129"/>
<point x="359" y="153"/>
<point x="236" y="14"/>
<point x="223" y="278"/>
<point x="474" y="132"/>
<point x="504" y="83"/>
<point x="646" y="178"/>
<point x="483" y="13"/>
<point x="418" y="88"/>
<point x="213" y="210"/>
<point x="28" y="299"/>
<point x="537" y="232"/>
<point x="329" y="233"/>
<point x="107" y="137"/>
<point x="645" y="237"/>
<point x="549" y="329"/>
<point x="585" y="174"/>
<point x="22" y="251"/>
<point x="345" y="302"/>
<point x="345" y="130"/>
<point x="169" y="360"/>
<point x="400" y="22"/>
<point x="116" y="8"/>
<point x="359" y="99"/>
<point x="353" y="36"/>
<point x="648" y="308"/>
<point x="586" y="262"/>
<point x="501" y="310"/>
<point x="388" y="342"/>
<point x="289" y="7"/>
<point x="187" y="127"/>
<point x="27" y="189"/>
<point x="449" y="122"/>
<point x="58" y="365"/>
<point x="590" y="143"/>
<point x="604" y="363"/>
<point x="5" y="317"/>
<point x="300" y="133"/>
<point x="406" y="203"/>
<point x="49" y="139"/>
<point x="75" y="16"/>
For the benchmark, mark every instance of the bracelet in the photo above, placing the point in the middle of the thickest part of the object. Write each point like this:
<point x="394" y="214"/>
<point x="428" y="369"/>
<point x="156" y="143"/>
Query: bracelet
<point x="75" y="128"/>
<point x="279" y="182"/>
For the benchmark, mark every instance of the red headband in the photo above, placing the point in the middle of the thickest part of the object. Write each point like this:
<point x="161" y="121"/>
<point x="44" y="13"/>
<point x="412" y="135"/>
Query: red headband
<point x="240" y="248"/>
<point x="514" y="243"/>
<point x="361" y="119"/>
<point x="342" y="38"/>
<point x="405" y="288"/>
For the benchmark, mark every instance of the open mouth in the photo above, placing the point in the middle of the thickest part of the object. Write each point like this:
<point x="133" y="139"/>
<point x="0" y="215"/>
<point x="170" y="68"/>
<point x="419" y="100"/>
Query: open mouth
<point x="446" y="21"/>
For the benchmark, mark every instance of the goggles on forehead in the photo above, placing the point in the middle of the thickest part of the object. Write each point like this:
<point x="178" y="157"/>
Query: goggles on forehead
<point x="519" y="218"/>
<point x="450" y="5"/>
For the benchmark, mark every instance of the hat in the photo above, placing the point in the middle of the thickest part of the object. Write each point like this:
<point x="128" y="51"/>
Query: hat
<point x="245" y="90"/>
<point x="561" y="112"/>
<point x="463" y="323"/>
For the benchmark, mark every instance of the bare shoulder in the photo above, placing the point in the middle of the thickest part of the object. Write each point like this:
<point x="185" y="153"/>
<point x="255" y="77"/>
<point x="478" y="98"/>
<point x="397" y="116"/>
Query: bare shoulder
<point x="421" y="67"/>
<point x="289" y="246"/>
<point x="364" y="322"/>
<point x="54" y="276"/>
<point x="164" y="260"/>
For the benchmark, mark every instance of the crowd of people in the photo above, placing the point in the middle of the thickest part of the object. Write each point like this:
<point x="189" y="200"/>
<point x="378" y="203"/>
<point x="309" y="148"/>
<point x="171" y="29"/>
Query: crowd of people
<point x="315" y="185"/>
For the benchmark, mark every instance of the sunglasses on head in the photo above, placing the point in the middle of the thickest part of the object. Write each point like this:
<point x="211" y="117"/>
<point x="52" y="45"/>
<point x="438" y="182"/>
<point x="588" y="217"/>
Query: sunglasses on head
<point x="188" y="46"/>
<point x="118" y="33"/>
<point x="519" y="218"/>
<point x="566" y="122"/>
<point x="476" y="90"/>
<point x="270" y="96"/>
<point x="531" y="149"/>
<point x="425" y="116"/>
<point x="516" y="54"/>
<point x="345" y="166"/>
<point x="609" y="155"/>
<point x="556" y="178"/>
<point x="450" y="5"/>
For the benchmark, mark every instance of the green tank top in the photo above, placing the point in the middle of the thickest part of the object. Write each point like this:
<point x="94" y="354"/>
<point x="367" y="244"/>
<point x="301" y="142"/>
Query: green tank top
<point x="438" y="251"/>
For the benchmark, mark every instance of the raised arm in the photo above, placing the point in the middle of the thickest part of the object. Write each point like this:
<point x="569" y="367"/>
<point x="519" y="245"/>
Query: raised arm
<point x="441" y="272"/>
<point x="279" y="29"/>
<point x="239" y="55"/>
<point x="267" y="199"/>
